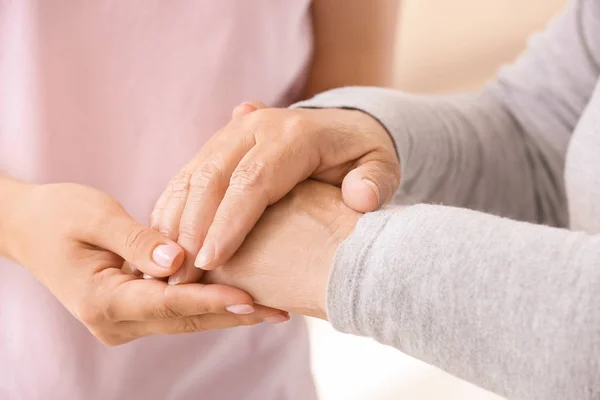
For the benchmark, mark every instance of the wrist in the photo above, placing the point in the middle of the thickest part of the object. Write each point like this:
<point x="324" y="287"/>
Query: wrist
<point x="13" y="194"/>
<point x="341" y="228"/>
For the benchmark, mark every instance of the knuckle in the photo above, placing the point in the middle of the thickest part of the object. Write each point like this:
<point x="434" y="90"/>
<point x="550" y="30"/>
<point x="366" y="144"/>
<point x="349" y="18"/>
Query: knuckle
<point x="206" y="178"/>
<point x="256" y="118"/>
<point x="189" y="233"/>
<point x="259" y="125"/>
<point x="296" y="125"/>
<point x="165" y="311"/>
<point x="180" y="185"/>
<point x="223" y="226"/>
<point x="192" y="324"/>
<point x="137" y="238"/>
<point x="168" y="231"/>
<point x="248" y="176"/>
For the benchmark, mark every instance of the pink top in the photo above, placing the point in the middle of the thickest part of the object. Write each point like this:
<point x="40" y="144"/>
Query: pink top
<point x="119" y="94"/>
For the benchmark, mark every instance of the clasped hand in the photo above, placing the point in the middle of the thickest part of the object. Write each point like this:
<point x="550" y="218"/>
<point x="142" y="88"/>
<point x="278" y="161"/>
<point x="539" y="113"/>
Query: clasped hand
<point x="83" y="237"/>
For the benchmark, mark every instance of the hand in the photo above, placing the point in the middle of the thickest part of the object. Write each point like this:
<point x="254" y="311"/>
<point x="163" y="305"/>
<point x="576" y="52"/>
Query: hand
<point x="216" y="199"/>
<point x="74" y="239"/>
<point x="285" y="261"/>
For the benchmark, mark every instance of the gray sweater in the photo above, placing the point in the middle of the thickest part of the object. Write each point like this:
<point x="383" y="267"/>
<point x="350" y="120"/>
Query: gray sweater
<point x="494" y="273"/>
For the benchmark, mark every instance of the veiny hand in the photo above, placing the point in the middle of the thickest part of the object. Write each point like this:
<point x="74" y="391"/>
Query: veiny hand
<point x="74" y="239"/>
<point x="285" y="261"/>
<point x="215" y="200"/>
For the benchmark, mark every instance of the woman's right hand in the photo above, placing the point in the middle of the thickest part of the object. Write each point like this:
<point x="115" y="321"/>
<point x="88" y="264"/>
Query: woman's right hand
<point x="74" y="239"/>
<point x="215" y="200"/>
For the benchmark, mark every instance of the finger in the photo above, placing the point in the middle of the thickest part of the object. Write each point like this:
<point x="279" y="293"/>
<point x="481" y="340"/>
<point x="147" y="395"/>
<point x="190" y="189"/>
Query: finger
<point x="150" y="252"/>
<point x="171" y="210"/>
<point x="207" y="188"/>
<point x="372" y="183"/>
<point x="167" y="210"/>
<point x="267" y="173"/>
<point x="191" y="210"/>
<point x="143" y="300"/>
<point x="199" y="323"/>
<point x="246" y="108"/>
<point x="158" y="208"/>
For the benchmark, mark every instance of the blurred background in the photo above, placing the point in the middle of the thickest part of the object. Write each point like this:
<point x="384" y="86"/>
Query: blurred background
<point x="443" y="46"/>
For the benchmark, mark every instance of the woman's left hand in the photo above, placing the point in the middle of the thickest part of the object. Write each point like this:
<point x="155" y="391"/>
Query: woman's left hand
<point x="260" y="156"/>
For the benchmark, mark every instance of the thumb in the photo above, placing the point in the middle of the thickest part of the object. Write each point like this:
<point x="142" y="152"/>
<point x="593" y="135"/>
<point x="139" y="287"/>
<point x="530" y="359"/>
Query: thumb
<point x="371" y="184"/>
<point x="142" y="247"/>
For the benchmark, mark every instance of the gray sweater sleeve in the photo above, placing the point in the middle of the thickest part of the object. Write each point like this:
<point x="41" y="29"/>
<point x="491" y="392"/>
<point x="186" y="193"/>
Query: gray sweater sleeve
<point x="502" y="150"/>
<point x="511" y="306"/>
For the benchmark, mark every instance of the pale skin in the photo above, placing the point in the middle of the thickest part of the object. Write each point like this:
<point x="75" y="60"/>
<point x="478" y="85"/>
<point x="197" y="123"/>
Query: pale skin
<point x="98" y="238"/>
<point x="74" y="239"/>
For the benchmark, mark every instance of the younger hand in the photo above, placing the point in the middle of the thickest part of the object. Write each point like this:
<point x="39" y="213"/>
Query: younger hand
<point x="74" y="239"/>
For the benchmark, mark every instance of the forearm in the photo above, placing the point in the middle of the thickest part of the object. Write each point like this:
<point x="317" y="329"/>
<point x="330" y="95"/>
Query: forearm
<point x="510" y="306"/>
<point x="11" y="197"/>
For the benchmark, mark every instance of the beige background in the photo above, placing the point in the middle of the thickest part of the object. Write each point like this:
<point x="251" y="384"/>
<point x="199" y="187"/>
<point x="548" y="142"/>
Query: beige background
<point x="457" y="44"/>
<point x="444" y="45"/>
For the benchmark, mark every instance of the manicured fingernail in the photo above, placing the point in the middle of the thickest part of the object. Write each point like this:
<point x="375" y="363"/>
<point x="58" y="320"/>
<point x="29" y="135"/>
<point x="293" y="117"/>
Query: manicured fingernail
<point x="165" y="254"/>
<point x="240" y="309"/>
<point x="205" y="256"/>
<point x="177" y="277"/>
<point x="146" y="276"/>
<point x="275" y="319"/>
<point x="374" y="187"/>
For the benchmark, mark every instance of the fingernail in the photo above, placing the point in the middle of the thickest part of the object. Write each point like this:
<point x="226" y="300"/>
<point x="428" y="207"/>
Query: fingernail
<point x="165" y="254"/>
<point x="177" y="277"/>
<point x="240" y="309"/>
<point x="373" y="186"/>
<point x="205" y="256"/>
<point x="275" y="319"/>
<point x="146" y="276"/>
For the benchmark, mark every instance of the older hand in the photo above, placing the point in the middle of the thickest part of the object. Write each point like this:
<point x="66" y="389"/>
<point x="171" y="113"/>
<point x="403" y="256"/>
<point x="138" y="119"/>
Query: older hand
<point x="74" y="239"/>
<point x="285" y="261"/>
<point x="216" y="199"/>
